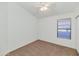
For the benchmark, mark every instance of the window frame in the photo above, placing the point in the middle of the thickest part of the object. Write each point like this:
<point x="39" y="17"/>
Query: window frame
<point x="64" y="28"/>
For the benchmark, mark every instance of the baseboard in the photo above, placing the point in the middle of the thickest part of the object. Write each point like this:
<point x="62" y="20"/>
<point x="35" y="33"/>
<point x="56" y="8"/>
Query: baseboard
<point x="18" y="47"/>
<point x="34" y="41"/>
<point x="57" y="43"/>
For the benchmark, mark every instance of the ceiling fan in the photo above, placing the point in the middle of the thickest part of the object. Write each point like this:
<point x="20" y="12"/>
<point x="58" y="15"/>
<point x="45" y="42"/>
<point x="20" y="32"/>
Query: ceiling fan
<point x="43" y="6"/>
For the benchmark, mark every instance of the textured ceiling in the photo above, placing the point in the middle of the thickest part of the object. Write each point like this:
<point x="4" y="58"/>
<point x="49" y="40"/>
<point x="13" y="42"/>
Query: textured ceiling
<point x="55" y="8"/>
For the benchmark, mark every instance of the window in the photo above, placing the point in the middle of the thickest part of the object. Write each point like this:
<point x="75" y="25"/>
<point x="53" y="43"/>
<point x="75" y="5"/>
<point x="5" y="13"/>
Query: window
<point x="64" y="28"/>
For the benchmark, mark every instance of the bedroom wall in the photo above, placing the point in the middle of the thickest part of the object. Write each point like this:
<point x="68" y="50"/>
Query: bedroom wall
<point x="21" y="27"/>
<point x="3" y="27"/>
<point x="77" y="41"/>
<point x="48" y="30"/>
<point x="76" y="13"/>
<point x="77" y="34"/>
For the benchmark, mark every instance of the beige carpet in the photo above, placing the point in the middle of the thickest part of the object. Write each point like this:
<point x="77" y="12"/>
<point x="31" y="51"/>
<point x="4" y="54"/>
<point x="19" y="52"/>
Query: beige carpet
<point x="43" y="48"/>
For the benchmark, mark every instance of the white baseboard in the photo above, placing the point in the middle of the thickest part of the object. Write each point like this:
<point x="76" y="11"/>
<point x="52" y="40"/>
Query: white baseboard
<point x="9" y="50"/>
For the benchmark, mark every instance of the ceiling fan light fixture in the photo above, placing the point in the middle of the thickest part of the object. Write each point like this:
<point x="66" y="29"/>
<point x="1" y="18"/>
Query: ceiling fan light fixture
<point x="44" y="8"/>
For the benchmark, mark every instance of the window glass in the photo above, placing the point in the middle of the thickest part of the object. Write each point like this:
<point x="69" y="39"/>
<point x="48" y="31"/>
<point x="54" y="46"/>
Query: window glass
<point x="64" y="28"/>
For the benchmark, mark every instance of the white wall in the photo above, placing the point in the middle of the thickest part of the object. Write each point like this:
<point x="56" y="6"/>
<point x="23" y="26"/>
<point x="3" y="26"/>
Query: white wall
<point x="77" y="34"/>
<point x="77" y="41"/>
<point x="48" y="30"/>
<point x="3" y="27"/>
<point x="76" y="13"/>
<point x="21" y="27"/>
